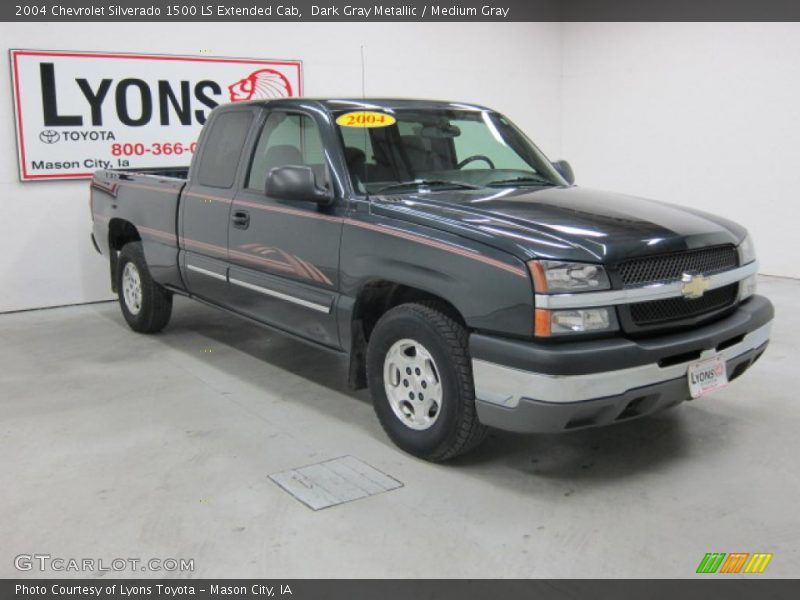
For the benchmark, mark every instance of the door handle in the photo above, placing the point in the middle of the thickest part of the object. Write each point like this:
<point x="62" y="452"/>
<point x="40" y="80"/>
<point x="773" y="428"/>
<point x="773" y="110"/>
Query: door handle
<point x="241" y="219"/>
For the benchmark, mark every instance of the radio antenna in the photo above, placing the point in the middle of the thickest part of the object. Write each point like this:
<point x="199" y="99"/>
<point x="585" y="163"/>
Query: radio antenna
<point x="363" y="75"/>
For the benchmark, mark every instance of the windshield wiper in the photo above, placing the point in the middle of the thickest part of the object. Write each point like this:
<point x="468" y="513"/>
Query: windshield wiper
<point x="428" y="183"/>
<point x="522" y="181"/>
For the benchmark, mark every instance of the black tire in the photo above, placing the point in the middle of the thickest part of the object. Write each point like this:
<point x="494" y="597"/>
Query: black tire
<point x="456" y="429"/>
<point x="155" y="306"/>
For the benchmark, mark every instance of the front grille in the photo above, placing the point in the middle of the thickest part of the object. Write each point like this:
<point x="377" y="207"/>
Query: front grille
<point x="656" y="315"/>
<point x="676" y="309"/>
<point x="670" y="267"/>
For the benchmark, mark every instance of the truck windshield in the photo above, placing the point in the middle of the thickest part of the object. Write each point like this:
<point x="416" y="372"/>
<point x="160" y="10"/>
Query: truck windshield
<point x="438" y="149"/>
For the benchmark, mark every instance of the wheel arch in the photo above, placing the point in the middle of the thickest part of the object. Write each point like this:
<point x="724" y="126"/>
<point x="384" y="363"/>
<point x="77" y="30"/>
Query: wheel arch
<point x="120" y="232"/>
<point x="374" y="298"/>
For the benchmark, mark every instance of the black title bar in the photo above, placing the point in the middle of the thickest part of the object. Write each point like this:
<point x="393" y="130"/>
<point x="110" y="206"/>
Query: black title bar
<point x="398" y="10"/>
<point x="710" y="588"/>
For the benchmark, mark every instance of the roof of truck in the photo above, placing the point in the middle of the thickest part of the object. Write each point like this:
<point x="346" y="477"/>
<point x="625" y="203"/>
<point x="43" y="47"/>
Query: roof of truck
<point x="349" y="103"/>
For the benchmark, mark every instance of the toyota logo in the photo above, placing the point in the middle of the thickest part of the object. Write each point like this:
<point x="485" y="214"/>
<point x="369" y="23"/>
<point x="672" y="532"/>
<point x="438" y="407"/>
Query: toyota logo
<point x="49" y="136"/>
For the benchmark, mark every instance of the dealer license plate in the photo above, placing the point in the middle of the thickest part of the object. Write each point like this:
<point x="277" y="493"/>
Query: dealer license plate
<point x="707" y="376"/>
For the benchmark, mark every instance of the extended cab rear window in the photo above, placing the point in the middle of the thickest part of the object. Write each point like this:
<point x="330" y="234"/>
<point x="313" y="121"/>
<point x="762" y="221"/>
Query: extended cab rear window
<point x="223" y="149"/>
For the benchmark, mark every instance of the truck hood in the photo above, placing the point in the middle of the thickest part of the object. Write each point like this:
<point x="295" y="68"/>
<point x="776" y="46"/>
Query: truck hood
<point x="565" y="223"/>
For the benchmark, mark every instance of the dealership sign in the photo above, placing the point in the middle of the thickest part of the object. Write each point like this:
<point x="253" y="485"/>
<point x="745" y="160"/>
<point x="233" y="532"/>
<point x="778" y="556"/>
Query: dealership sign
<point x="77" y="112"/>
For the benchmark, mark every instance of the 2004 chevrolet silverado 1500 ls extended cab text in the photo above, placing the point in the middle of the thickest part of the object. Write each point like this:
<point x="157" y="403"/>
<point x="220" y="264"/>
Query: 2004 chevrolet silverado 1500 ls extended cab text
<point x="469" y="282"/>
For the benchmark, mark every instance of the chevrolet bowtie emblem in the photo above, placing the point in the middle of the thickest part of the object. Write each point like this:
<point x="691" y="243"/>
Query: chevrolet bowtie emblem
<point x="694" y="286"/>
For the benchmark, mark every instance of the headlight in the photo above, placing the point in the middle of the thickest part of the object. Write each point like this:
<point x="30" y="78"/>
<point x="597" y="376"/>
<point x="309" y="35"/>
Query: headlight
<point x="553" y="277"/>
<point x="578" y="320"/>
<point x="747" y="251"/>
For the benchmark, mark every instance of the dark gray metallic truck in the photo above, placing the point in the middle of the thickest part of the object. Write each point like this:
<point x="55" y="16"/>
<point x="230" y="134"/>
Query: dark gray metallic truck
<point x="469" y="282"/>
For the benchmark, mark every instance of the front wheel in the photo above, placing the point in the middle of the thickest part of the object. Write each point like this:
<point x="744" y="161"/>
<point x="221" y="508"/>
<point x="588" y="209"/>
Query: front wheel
<point x="420" y="379"/>
<point x="145" y="305"/>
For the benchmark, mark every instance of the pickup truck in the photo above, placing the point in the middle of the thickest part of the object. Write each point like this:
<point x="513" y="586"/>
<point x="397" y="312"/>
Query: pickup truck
<point x="470" y="283"/>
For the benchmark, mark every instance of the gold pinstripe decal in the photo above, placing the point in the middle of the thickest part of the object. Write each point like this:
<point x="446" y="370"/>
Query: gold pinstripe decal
<point x="474" y="255"/>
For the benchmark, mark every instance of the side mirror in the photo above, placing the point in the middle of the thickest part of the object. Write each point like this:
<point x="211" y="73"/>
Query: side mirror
<point x="565" y="170"/>
<point x="296" y="183"/>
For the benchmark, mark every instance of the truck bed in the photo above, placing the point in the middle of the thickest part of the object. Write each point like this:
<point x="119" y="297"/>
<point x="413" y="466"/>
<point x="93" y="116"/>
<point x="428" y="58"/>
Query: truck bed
<point x="148" y="199"/>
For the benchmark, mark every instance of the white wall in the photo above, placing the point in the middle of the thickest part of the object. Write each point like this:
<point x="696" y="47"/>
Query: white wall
<point x="700" y="114"/>
<point x="46" y="258"/>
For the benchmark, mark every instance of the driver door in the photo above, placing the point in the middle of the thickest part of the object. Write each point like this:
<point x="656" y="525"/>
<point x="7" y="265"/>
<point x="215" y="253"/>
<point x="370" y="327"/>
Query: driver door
<point x="284" y="256"/>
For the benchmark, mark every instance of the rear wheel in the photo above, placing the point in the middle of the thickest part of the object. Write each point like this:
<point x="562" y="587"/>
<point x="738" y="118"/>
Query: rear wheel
<point x="145" y="305"/>
<point x="420" y="379"/>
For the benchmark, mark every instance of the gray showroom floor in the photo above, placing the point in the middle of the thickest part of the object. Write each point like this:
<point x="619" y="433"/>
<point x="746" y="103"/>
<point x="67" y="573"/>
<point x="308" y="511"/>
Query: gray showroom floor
<point x="115" y="445"/>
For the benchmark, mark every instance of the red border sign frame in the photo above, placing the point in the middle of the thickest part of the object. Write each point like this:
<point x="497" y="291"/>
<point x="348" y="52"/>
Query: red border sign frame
<point x="14" y="53"/>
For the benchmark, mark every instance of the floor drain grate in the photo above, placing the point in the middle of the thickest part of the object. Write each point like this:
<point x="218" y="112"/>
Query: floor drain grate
<point x="333" y="482"/>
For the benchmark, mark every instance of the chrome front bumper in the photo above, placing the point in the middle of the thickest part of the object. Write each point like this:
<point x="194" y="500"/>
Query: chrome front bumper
<point x="551" y="398"/>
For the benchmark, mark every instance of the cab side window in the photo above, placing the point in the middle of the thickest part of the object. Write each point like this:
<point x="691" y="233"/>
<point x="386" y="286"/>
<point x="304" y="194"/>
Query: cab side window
<point x="223" y="149"/>
<point x="286" y="139"/>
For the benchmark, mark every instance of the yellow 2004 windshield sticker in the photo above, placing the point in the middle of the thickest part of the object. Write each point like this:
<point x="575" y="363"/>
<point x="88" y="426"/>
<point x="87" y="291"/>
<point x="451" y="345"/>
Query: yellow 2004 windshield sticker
<point x="365" y="118"/>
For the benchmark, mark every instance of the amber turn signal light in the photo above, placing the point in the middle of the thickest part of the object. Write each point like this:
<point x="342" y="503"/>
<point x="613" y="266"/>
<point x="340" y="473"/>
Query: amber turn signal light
<point x="539" y="279"/>
<point x="541" y="322"/>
